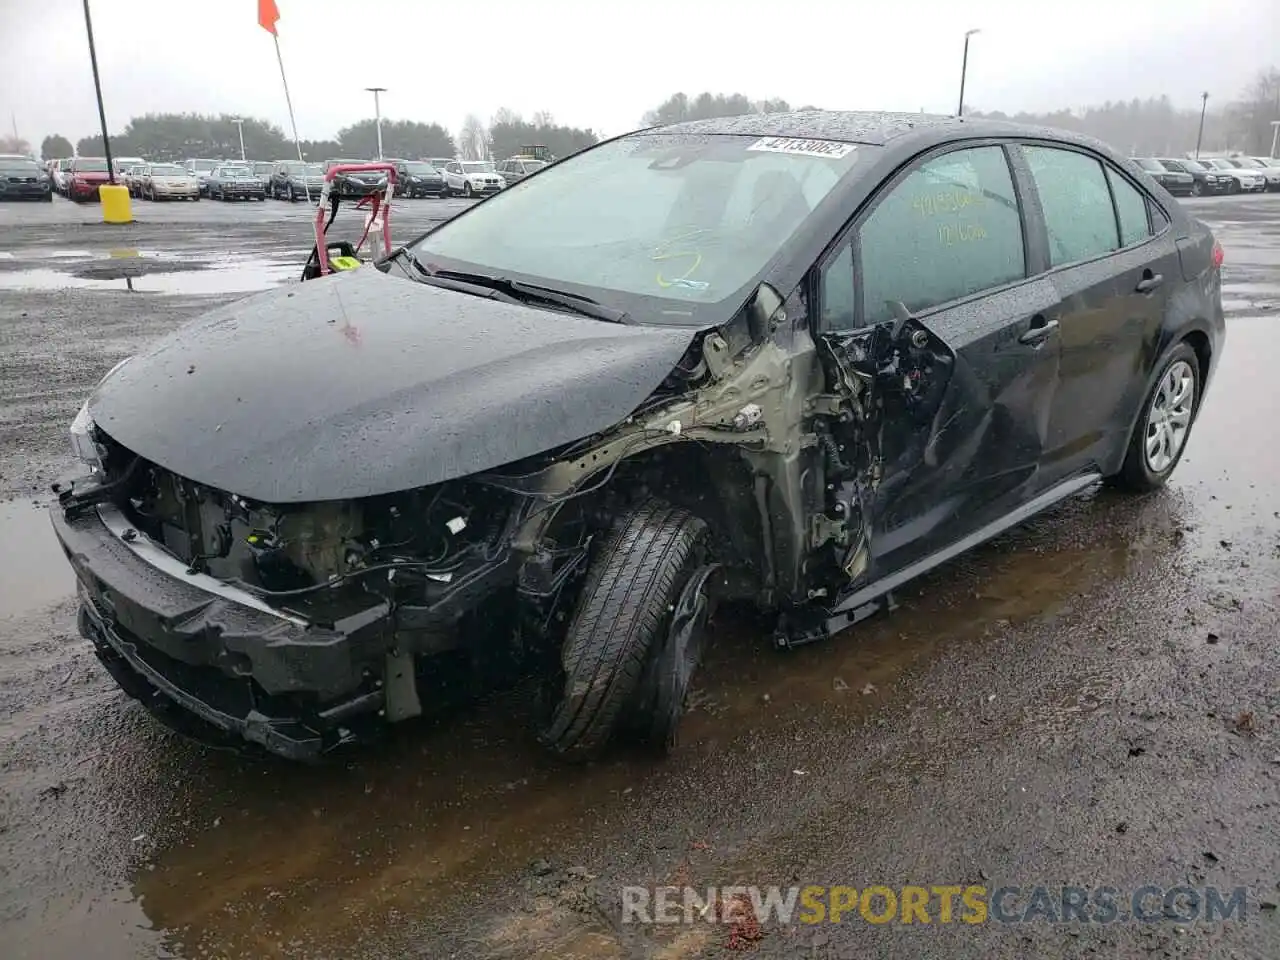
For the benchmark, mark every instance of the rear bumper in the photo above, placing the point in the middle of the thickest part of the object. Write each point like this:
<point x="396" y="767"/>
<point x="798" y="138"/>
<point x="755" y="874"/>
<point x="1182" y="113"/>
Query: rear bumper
<point x="268" y="676"/>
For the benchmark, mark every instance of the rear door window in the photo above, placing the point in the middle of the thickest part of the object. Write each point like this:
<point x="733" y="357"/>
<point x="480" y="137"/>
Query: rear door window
<point x="950" y="228"/>
<point x="1131" y="209"/>
<point x="1078" y="213"/>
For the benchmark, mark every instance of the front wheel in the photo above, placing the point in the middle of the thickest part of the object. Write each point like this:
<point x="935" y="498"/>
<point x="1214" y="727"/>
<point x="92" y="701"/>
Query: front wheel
<point x="622" y="618"/>
<point x="467" y="191"/>
<point x="1197" y="189"/>
<point x="1160" y="435"/>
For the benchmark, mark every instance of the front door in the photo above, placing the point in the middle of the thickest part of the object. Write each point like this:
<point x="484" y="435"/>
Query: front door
<point x="959" y="400"/>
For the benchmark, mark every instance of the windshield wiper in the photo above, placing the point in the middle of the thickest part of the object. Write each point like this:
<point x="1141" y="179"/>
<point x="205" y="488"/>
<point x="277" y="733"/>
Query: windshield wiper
<point x="511" y="290"/>
<point x="534" y="293"/>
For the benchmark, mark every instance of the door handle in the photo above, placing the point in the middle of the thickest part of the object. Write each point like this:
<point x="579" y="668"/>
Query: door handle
<point x="1149" y="282"/>
<point x="1041" y="327"/>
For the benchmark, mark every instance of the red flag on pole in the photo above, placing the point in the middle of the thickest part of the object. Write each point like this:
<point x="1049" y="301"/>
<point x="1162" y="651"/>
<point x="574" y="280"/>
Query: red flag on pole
<point x="268" y="15"/>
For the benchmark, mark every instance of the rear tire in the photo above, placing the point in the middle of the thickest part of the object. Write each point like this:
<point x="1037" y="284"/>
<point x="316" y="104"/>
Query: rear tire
<point x="1173" y="399"/>
<point x="623" y="612"/>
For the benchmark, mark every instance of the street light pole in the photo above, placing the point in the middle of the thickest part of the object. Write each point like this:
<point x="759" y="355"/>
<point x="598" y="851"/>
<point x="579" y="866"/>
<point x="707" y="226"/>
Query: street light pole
<point x="377" y="114"/>
<point x="964" y="68"/>
<point x="1275" y="133"/>
<point x="239" y="122"/>
<point x="97" y="88"/>
<point x="1204" y="102"/>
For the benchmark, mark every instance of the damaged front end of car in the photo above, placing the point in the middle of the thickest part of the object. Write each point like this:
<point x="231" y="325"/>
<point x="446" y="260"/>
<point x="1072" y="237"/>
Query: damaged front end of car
<point x="301" y="626"/>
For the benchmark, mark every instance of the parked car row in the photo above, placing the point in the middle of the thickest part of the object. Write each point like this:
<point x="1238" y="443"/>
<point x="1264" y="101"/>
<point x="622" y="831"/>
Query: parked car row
<point x="1210" y="175"/>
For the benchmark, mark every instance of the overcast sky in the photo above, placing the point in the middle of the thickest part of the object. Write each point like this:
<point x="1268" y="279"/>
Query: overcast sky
<point x="602" y="63"/>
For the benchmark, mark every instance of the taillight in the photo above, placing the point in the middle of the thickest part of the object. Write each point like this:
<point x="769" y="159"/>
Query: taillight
<point x="1218" y="255"/>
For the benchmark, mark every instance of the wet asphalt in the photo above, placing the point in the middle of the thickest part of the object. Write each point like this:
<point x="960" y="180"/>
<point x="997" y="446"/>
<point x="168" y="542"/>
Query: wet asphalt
<point x="1090" y="700"/>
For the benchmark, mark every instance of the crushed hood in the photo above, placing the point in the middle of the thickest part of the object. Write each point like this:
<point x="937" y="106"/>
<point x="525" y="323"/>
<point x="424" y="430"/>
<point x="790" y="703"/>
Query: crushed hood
<point x="364" y="383"/>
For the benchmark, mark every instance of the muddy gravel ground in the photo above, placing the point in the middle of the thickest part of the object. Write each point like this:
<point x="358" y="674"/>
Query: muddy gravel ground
<point x="1092" y="700"/>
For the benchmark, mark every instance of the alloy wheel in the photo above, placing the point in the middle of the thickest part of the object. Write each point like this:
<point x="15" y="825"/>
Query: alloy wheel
<point x="1169" y="417"/>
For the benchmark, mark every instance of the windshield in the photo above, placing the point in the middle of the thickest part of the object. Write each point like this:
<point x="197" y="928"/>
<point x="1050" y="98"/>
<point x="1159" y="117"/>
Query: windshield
<point x="91" y="165"/>
<point x="1155" y="166"/>
<point x="477" y="166"/>
<point x="687" y="218"/>
<point x="1249" y="163"/>
<point x="1219" y="164"/>
<point x="1188" y="166"/>
<point x="167" y="170"/>
<point x="204" y="166"/>
<point x="419" y="168"/>
<point x="18" y="168"/>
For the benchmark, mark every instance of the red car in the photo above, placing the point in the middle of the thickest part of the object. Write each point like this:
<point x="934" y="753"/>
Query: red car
<point x="83" y="176"/>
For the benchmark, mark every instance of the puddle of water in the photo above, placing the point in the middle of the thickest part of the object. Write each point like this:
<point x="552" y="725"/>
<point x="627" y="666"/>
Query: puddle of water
<point x="243" y="277"/>
<point x="443" y="809"/>
<point x="34" y="573"/>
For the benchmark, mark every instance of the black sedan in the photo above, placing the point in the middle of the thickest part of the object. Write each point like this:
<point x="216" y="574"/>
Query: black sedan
<point x="236" y="182"/>
<point x="417" y="178"/>
<point x="800" y="360"/>
<point x="356" y="184"/>
<point x="1206" y="179"/>
<point x="1175" y="181"/>
<point x="22" y="179"/>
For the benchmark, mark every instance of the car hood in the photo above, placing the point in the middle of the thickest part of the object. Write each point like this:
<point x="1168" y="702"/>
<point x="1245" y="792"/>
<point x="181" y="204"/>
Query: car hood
<point x="364" y="383"/>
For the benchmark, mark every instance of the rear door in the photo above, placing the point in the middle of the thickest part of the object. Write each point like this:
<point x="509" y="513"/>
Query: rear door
<point x="1113" y="273"/>
<point x="957" y="406"/>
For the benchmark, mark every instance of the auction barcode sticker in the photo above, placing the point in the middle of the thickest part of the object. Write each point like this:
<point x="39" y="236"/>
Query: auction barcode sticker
<point x="806" y="148"/>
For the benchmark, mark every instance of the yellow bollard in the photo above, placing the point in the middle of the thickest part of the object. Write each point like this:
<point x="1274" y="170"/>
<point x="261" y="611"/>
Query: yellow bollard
<point x="115" y="203"/>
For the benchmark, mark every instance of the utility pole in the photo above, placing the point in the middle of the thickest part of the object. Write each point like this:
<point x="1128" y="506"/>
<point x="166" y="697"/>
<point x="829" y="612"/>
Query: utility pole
<point x="1204" y="102"/>
<point x="239" y="122"/>
<point x="964" y="68"/>
<point x="377" y="114"/>
<point x="1275" y="133"/>
<point x="97" y="88"/>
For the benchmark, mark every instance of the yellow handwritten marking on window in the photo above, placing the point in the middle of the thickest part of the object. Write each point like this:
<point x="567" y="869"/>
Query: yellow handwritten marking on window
<point x="665" y="252"/>
<point x="949" y="235"/>
<point x="945" y="201"/>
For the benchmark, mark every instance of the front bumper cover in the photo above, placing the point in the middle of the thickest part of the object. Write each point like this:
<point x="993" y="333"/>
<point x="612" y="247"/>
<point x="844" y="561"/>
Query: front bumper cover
<point x="295" y="687"/>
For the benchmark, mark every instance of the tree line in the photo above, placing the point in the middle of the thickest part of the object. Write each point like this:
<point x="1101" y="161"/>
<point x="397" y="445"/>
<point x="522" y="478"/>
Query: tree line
<point x="1151" y="127"/>
<point x="176" y="136"/>
<point x="1154" y="126"/>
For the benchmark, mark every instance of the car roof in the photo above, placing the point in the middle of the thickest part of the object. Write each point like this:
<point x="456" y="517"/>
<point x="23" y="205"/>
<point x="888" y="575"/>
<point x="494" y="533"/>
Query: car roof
<point x="869" y="127"/>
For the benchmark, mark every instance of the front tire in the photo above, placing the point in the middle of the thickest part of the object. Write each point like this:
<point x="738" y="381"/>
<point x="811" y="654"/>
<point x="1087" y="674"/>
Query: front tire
<point x="1160" y="435"/>
<point x="623" y="613"/>
<point x="467" y="191"/>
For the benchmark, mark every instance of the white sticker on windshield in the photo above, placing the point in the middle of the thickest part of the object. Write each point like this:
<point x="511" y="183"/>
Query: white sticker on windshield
<point x="805" y="148"/>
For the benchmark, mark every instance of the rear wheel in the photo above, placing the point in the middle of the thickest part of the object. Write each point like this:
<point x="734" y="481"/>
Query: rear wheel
<point x="1160" y="435"/>
<point x="622" y="617"/>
